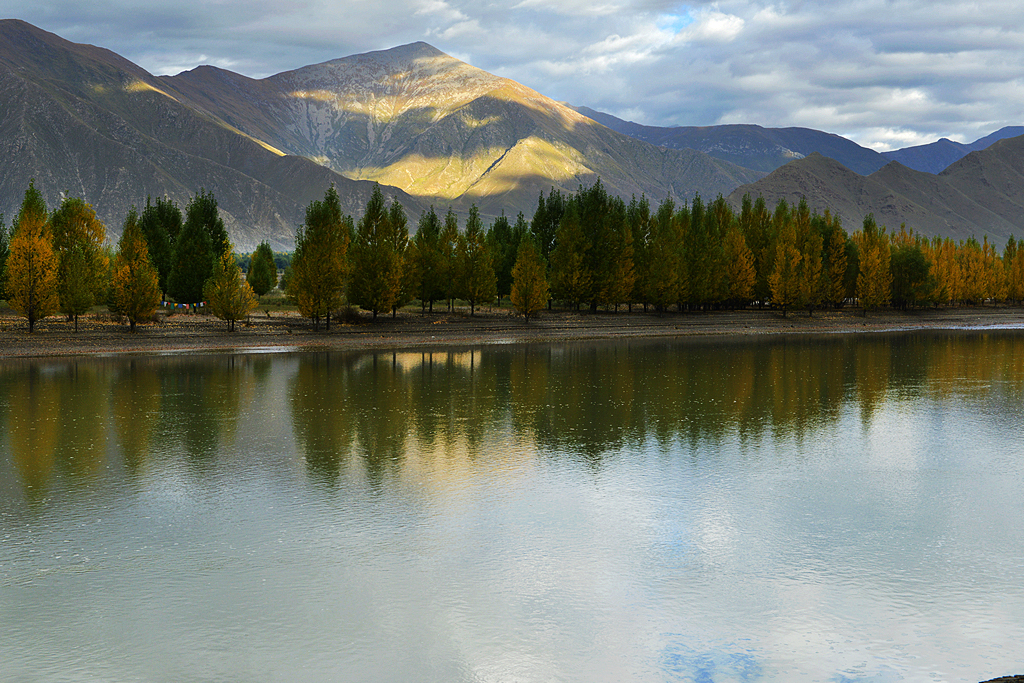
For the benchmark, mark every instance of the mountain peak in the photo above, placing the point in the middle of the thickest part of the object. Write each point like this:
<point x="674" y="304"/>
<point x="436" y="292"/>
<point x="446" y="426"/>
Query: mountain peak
<point x="419" y="49"/>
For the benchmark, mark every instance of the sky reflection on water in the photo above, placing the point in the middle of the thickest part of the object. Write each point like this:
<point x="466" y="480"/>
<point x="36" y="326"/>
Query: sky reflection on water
<point x="841" y="509"/>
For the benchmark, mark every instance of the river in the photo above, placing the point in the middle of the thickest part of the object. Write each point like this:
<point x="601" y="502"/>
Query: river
<point x="841" y="508"/>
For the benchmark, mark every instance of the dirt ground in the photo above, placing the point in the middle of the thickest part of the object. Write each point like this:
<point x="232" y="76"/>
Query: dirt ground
<point x="100" y="335"/>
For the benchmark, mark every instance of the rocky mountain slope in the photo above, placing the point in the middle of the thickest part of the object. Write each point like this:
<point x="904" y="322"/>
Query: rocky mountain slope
<point x="981" y="194"/>
<point x="445" y="132"/>
<point x="82" y="120"/>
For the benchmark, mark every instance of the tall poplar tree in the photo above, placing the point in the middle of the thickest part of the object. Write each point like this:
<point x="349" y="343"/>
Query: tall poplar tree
<point x="399" y="231"/>
<point x="449" y="244"/>
<point x="622" y="273"/>
<point x="667" y="269"/>
<point x="638" y="218"/>
<point x="740" y="271"/>
<point x="425" y="260"/>
<point x="785" y="279"/>
<point x="503" y="248"/>
<point x="570" y="278"/>
<point x="874" y="283"/>
<point x="5" y="250"/>
<point x="546" y="220"/>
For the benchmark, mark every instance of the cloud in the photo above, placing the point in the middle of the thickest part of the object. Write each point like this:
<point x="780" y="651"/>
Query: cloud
<point x="881" y="72"/>
<point x="712" y="25"/>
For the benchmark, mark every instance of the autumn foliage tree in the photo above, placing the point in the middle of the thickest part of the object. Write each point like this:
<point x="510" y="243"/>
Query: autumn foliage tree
<point x="31" y="267"/>
<point x="319" y="263"/>
<point x="874" y="284"/>
<point x="785" y="279"/>
<point x="228" y="296"/>
<point x="78" y="237"/>
<point x="135" y="287"/>
<point x="740" y="271"/>
<point x="529" y="284"/>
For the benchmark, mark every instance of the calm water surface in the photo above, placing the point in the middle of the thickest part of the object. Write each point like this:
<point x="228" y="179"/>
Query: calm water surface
<point x="840" y="509"/>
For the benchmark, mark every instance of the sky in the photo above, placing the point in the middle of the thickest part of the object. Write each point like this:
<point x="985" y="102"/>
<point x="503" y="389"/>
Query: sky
<point x="886" y="74"/>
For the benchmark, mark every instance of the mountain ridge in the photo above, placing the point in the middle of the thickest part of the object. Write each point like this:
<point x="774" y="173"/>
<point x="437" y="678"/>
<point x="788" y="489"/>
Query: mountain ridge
<point x="416" y="118"/>
<point x="114" y="136"/>
<point x="432" y="130"/>
<point x="980" y="195"/>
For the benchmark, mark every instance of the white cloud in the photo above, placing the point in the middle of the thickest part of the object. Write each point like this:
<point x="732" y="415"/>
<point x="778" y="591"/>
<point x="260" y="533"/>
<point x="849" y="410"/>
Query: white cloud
<point x="712" y="25"/>
<point x="879" y="71"/>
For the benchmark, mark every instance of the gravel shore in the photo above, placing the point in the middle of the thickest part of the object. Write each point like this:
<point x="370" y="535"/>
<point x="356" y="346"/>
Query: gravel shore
<point x="99" y="335"/>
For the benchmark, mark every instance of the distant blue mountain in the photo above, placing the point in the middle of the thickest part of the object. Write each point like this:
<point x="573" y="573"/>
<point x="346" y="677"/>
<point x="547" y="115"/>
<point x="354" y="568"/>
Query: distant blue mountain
<point x="935" y="157"/>
<point x="766" y="149"/>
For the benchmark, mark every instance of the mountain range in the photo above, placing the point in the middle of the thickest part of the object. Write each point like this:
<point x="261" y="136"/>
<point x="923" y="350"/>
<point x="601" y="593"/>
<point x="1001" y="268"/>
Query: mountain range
<point x="429" y="128"/>
<point x="981" y="194"/>
<point x="766" y="149"/>
<point x="432" y="130"/>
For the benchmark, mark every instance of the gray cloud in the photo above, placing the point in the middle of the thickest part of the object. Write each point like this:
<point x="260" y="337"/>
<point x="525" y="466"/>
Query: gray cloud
<point x="886" y="73"/>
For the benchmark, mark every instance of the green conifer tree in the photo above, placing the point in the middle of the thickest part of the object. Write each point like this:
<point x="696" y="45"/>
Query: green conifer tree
<point x="476" y="274"/>
<point x="262" y="275"/>
<point x="376" y="265"/>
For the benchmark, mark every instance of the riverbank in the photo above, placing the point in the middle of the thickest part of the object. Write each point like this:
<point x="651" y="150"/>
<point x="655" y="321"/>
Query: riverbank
<point x="100" y="335"/>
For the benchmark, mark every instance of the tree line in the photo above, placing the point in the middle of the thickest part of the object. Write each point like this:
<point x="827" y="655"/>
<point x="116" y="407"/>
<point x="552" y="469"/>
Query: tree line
<point x="583" y="249"/>
<point x="591" y="249"/>
<point x="59" y="262"/>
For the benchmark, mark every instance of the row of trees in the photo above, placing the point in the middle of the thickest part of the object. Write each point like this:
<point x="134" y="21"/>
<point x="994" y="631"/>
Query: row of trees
<point x="58" y="261"/>
<point x="583" y="249"/>
<point x="592" y="249"/>
<point x="375" y="265"/>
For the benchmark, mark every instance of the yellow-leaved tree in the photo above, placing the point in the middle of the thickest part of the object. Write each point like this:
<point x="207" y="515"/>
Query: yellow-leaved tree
<point x="319" y="264"/>
<point x="874" y="283"/>
<point x="228" y="295"/>
<point x="135" y="285"/>
<point x="529" y="286"/>
<point x="32" y="262"/>
<point x="784" y="281"/>
<point x="740" y="271"/>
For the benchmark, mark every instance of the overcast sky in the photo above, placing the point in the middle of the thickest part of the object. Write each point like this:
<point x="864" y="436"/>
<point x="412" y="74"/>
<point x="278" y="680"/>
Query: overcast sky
<point x="886" y="74"/>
